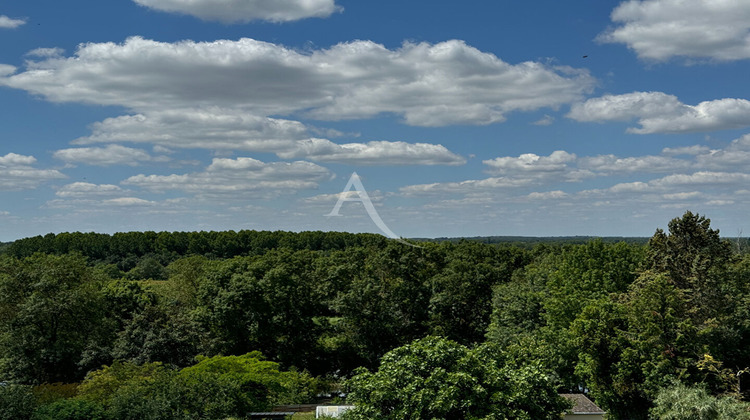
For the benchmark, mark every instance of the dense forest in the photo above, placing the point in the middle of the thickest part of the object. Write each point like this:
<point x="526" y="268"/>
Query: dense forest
<point x="207" y="325"/>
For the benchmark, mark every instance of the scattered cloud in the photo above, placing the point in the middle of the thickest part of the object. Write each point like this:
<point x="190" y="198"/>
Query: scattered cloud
<point x="46" y="53"/>
<point x="529" y="162"/>
<point x="611" y="164"/>
<point x="687" y="150"/>
<point x="682" y="195"/>
<point x="464" y="187"/>
<point x="695" y="29"/>
<point x="427" y="84"/>
<point x="226" y="129"/>
<point x="704" y="178"/>
<point x="535" y="168"/>
<point x="18" y="173"/>
<point x="127" y="202"/>
<point x="105" y="156"/>
<point x="86" y="189"/>
<point x="546" y="120"/>
<point x="236" y="11"/>
<point x="382" y="153"/>
<point x="206" y="128"/>
<point x="690" y="176"/>
<point x="228" y="95"/>
<point x="659" y="112"/>
<point x="720" y="202"/>
<point x="9" y="23"/>
<point x="237" y="178"/>
<point x="548" y="195"/>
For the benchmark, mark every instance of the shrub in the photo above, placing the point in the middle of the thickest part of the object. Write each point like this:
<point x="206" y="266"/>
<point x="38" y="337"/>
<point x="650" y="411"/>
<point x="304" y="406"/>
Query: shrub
<point x="681" y="402"/>
<point x="48" y="393"/>
<point x="16" y="402"/>
<point x="71" y="409"/>
<point x="435" y="378"/>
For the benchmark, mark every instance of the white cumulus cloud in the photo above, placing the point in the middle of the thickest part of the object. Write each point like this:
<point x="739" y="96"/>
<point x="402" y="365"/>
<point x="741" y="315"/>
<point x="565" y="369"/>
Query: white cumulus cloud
<point x="694" y="29"/>
<point x="18" y="173"/>
<point x="428" y="84"/>
<point x="233" y="11"/>
<point x="548" y="195"/>
<point x="237" y="178"/>
<point x="687" y="150"/>
<point x="557" y="161"/>
<point x="219" y="128"/>
<point x="87" y="189"/>
<point x="127" y="202"/>
<point x="210" y="128"/>
<point x="104" y="156"/>
<point x="657" y="112"/>
<point x="373" y="153"/>
<point x="610" y="164"/>
<point x="10" y="23"/>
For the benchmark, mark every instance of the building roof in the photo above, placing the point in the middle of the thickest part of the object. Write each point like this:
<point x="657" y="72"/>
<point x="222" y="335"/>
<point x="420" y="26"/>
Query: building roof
<point x="582" y="405"/>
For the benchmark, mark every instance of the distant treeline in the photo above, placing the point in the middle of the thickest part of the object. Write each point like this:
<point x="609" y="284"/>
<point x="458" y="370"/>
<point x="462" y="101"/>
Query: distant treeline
<point x="531" y="241"/>
<point x="102" y="247"/>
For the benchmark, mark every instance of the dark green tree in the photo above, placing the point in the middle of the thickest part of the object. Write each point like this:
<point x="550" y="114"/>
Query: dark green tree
<point x="51" y="311"/>
<point x="461" y="295"/>
<point x="264" y="302"/>
<point x="696" y="259"/>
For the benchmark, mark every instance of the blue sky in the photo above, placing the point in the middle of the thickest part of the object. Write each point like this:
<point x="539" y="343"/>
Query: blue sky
<point x="536" y="118"/>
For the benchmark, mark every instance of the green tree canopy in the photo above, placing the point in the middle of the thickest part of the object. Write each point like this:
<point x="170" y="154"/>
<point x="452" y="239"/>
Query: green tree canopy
<point x="435" y="378"/>
<point x="51" y="312"/>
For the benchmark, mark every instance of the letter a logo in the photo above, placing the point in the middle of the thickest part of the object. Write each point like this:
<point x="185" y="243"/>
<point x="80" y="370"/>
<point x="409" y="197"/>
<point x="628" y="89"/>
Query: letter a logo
<point x="356" y="184"/>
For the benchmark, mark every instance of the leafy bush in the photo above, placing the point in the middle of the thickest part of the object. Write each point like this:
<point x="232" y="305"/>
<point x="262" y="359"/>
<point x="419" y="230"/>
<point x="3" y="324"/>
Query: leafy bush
<point x="16" y="402"/>
<point x="71" y="409"/>
<point x="48" y="393"/>
<point x="260" y="382"/>
<point x="148" y="400"/>
<point x="681" y="402"/>
<point x="214" y="388"/>
<point x="101" y="385"/>
<point x="435" y="378"/>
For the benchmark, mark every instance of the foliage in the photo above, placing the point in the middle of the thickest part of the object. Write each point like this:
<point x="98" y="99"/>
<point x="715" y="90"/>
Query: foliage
<point x="696" y="259"/>
<point x="267" y="303"/>
<point x="158" y="334"/>
<point x="435" y="378"/>
<point x="262" y="381"/>
<point x="215" y="387"/>
<point x="102" y="385"/>
<point x="51" y="311"/>
<point x="148" y="268"/>
<point x="126" y="249"/>
<point x="386" y="304"/>
<point x="670" y="323"/>
<point x="47" y="393"/>
<point x="681" y="402"/>
<point x="70" y="409"/>
<point x="460" y="306"/>
<point x="620" y="320"/>
<point x="16" y="402"/>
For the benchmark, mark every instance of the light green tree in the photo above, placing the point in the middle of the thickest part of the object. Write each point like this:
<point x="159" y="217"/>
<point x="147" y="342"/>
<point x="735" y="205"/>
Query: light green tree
<point x="435" y="378"/>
